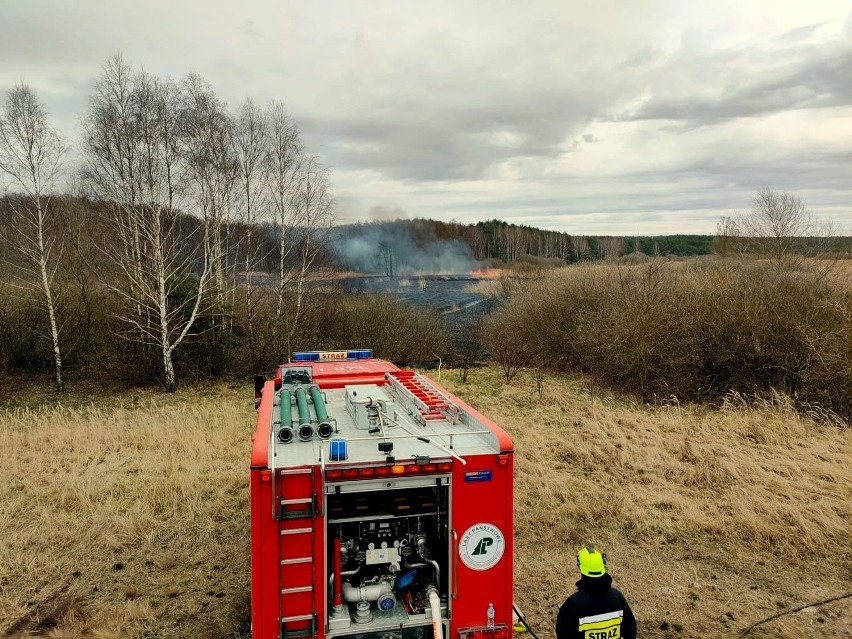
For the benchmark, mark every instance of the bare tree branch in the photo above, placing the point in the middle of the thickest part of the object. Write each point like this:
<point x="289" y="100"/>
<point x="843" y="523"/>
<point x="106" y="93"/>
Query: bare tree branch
<point x="780" y="226"/>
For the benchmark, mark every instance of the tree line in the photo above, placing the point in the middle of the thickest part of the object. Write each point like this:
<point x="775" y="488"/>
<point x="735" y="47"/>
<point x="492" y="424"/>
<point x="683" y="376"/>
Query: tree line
<point x="501" y="242"/>
<point x="391" y="244"/>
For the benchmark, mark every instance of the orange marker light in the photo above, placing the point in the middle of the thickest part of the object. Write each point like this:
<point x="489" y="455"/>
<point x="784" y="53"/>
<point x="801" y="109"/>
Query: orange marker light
<point x="397" y="469"/>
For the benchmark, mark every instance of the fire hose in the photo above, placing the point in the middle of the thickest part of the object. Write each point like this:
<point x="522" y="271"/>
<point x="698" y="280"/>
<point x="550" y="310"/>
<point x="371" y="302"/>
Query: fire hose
<point x="435" y="606"/>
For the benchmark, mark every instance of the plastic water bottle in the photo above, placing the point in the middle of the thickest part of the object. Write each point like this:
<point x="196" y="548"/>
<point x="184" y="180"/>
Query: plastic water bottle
<point x="489" y="623"/>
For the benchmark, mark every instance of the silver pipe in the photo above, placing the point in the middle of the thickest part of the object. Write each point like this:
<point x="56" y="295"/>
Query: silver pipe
<point x="430" y="440"/>
<point x="343" y="573"/>
<point x="369" y="592"/>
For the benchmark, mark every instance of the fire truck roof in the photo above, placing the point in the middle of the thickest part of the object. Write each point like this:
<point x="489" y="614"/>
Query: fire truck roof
<point x="382" y="413"/>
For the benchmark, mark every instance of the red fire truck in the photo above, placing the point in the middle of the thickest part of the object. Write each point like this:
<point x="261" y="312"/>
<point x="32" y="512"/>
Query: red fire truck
<point x="381" y="506"/>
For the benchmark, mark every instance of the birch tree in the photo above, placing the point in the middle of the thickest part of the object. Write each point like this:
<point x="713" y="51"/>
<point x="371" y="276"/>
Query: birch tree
<point x="580" y="248"/>
<point x="132" y="156"/>
<point x="610" y="247"/>
<point x="31" y="154"/>
<point x="776" y="223"/>
<point x="251" y="137"/>
<point x="727" y="238"/>
<point x="314" y="207"/>
<point x="285" y="162"/>
<point x="112" y="166"/>
<point x="214" y="171"/>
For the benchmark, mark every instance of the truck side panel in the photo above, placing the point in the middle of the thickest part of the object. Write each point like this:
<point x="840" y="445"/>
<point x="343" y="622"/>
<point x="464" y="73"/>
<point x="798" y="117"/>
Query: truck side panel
<point x="264" y="529"/>
<point x="482" y="522"/>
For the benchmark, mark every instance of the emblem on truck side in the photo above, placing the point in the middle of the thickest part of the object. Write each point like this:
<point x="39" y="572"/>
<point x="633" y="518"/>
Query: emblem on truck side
<point x="481" y="546"/>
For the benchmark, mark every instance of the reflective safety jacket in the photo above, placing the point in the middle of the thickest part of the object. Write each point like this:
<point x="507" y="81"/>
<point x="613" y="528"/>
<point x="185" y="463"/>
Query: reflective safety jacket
<point x="595" y="611"/>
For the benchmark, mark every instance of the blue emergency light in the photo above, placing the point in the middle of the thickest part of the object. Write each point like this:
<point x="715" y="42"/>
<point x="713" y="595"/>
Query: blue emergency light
<point x="337" y="449"/>
<point x="332" y="356"/>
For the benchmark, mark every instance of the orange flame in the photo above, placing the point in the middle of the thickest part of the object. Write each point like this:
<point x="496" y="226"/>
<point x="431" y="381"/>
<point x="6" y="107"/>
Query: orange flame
<point x="483" y="272"/>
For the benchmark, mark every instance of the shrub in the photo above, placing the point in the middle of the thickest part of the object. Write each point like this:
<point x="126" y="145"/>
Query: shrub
<point x="394" y="330"/>
<point x="230" y="347"/>
<point x="693" y="330"/>
<point x="508" y="342"/>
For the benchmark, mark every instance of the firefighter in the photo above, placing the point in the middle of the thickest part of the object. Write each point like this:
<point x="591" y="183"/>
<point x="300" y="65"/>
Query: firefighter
<point x="597" y="610"/>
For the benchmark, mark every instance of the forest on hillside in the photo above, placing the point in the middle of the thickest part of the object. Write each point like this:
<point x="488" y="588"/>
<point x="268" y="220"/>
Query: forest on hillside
<point x="431" y="246"/>
<point x="413" y="246"/>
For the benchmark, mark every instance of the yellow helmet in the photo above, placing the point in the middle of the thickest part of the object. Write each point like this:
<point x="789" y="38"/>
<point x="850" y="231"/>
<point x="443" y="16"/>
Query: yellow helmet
<point x="591" y="562"/>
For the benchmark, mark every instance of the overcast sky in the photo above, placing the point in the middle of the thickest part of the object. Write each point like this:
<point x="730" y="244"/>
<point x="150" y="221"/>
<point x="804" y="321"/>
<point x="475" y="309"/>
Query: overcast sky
<point x="620" y="117"/>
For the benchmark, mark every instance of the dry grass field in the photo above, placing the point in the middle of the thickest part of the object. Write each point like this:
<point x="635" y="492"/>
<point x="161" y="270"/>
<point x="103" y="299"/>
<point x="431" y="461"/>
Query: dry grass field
<point x="711" y="519"/>
<point x="128" y="516"/>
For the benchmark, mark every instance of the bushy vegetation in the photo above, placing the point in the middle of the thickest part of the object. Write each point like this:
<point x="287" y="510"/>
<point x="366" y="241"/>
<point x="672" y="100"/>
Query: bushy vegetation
<point x="97" y="352"/>
<point x="394" y="330"/>
<point x="693" y="330"/>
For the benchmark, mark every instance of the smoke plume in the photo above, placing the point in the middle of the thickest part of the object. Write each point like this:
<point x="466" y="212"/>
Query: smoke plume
<point x="400" y="247"/>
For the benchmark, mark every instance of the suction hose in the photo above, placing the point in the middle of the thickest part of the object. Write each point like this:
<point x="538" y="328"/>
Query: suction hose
<point x="306" y="431"/>
<point x="285" y="435"/>
<point x="324" y="426"/>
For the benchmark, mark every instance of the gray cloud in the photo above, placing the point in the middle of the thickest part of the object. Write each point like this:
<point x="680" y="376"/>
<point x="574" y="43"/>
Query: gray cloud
<point x="789" y="73"/>
<point x="648" y="112"/>
<point x="488" y="121"/>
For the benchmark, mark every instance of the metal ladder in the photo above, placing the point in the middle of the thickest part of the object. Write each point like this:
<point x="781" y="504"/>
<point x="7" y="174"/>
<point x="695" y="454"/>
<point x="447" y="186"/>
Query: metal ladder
<point x="296" y="513"/>
<point x="431" y="404"/>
